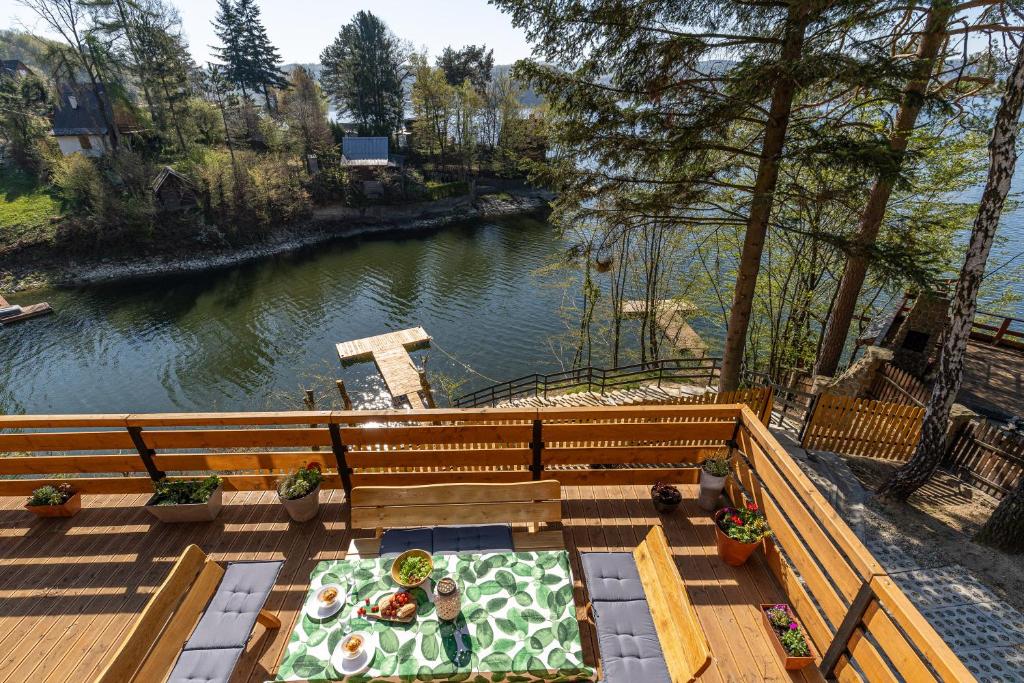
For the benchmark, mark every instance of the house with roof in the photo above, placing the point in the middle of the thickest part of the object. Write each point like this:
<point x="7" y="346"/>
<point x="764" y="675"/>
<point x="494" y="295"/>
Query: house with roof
<point x="14" y="67"/>
<point x="364" y="152"/>
<point x="79" y="123"/>
<point x="173" y="191"/>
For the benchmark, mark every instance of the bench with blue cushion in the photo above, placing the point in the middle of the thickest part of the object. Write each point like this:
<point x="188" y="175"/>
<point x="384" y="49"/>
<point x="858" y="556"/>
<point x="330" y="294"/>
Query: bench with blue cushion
<point x="453" y="518"/>
<point x="197" y="624"/>
<point x="647" y="628"/>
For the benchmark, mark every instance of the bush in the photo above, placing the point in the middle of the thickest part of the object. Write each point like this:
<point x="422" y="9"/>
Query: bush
<point x="80" y="184"/>
<point x="300" y="483"/>
<point x="185" y="491"/>
<point x="717" y="465"/>
<point x="51" y="495"/>
<point x="437" y="191"/>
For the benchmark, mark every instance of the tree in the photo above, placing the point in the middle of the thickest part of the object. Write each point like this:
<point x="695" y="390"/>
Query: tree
<point x="471" y="62"/>
<point x="304" y="109"/>
<point x="24" y="105"/>
<point x="1005" y="528"/>
<point x="261" y="58"/>
<point x="433" y="101"/>
<point x="361" y="74"/>
<point x="218" y="90"/>
<point x="227" y="25"/>
<point x="930" y="449"/>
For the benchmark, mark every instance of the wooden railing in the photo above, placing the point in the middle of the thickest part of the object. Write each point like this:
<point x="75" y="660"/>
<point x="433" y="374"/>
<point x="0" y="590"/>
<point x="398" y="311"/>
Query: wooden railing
<point x="857" y="617"/>
<point x="995" y="328"/>
<point x="898" y="386"/>
<point x="861" y="426"/>
<point x="989" y="458"/>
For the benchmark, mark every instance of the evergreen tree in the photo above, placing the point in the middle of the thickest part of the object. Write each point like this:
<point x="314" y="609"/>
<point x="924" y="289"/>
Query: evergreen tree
<point x="361" y="74"/>
<point x="227" y="25"/>
<point x="262" y="60"/>
<point x="470" y="62"/>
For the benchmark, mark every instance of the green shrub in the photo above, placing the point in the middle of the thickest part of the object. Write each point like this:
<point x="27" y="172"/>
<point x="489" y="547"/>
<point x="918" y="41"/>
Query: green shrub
<point x="300" y="483"/>
<point x="717" y="464"/>
<point x="51" y="495"/>
<point x="437" y="191"/>
<point x="185" y="491"/>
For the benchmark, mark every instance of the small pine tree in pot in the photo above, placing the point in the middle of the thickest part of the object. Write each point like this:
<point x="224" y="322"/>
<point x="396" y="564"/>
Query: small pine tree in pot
<point x="300" y="492"/>
<point x="54" y="501"/>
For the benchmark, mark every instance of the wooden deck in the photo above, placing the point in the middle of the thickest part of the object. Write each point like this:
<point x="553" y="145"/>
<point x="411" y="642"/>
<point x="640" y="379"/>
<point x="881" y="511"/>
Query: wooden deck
<point x="993" y="380"/>
<point x="390" y="354"/>
<point x="69" y="589"/>
<point x="670" y="317"/>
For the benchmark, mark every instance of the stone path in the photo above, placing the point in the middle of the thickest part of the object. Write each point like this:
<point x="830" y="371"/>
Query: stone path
<point x="648" y="394"/>
<point x="985" y="632"/>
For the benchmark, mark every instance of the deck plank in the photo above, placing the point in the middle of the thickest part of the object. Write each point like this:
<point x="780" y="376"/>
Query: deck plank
<point x="61" y="620"/>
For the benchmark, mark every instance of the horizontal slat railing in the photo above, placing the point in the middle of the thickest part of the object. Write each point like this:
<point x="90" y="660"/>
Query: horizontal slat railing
<point x="857" y="618"/>
<point x="861" y="622"/>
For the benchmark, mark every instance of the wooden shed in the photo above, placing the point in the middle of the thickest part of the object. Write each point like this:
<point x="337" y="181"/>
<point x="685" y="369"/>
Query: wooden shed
<point x="173" y="191"/>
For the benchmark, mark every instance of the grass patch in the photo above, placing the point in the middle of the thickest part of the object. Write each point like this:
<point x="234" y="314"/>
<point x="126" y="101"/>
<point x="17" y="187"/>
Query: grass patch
<point x="26" y="209"/>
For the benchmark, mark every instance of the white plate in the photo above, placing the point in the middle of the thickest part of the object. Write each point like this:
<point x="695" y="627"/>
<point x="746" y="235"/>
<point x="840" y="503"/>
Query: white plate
<point x="316" y="610"/>
<point x="358" y="665"/>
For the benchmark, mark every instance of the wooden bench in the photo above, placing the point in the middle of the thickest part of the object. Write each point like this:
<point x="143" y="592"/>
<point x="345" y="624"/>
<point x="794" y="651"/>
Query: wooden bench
<point x="633" y="592"/>
<point x="198" y="601"/>
<point x="529" y="503"/>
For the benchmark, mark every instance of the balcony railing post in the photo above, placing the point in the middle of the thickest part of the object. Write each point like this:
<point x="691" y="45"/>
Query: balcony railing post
<point x="340" y="449"/>
<point x="836" y="649"/>
<point x="146" y="453"/>
<point x="537" y="446"/>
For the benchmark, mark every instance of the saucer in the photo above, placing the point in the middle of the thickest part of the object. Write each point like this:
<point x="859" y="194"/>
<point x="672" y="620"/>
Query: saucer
<point x="356" y="665"/>
<point x="316" y="610"/>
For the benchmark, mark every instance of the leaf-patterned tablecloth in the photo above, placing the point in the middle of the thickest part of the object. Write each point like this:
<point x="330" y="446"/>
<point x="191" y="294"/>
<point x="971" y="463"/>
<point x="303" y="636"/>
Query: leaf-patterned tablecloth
<point x="517" y="609"/>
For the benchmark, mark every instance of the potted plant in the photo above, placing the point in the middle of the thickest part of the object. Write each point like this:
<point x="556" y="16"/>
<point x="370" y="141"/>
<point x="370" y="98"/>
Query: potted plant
<point x="187" y="500"/>
<point x="738" y="532"/>
<point x="713" y="472"/>
<point x="665" y="496"/>
<point x="55" y="501"/>
<point x="300" y="492"/>
<point x="788" y="636"/>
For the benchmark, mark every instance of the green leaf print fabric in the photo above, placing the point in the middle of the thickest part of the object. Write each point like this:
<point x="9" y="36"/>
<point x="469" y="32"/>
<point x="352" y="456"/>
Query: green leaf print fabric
<point x="518" y="623"/>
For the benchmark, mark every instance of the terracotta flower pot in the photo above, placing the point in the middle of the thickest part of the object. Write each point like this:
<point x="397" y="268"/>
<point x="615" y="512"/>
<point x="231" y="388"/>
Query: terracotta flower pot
<point x="710" y="490"/>
<point x="68" y="508"/>
<point x="302" y="509"/>
<point x="192" y="512"/>
<point x="732" y="552"/>
<point x="789" y="662"/>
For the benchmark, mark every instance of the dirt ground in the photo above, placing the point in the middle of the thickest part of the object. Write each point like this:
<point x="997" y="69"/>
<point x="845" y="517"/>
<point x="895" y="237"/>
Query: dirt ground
<point x="937" y="526"/>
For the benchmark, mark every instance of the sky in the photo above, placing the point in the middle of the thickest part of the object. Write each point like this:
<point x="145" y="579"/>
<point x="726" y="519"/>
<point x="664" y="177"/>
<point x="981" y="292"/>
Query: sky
<point x="302" y="28"/>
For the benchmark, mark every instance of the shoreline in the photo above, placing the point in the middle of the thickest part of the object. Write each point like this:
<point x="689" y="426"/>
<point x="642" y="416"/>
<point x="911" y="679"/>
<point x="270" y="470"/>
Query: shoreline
<point x="325" y="225"/>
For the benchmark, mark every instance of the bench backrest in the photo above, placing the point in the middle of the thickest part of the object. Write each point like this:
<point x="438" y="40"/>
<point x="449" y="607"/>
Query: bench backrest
<point x="152" y="646"/>
<point x="389" y="507"/>
<point x="683" y="641"/>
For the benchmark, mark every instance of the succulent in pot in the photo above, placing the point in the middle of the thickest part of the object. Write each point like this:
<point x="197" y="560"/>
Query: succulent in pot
<point x="61" y="500"/>
<point x="300" y="492"/>
<point x="713" y="473"/>
<point x="187" y="500"/>
<point x="738" y="532"/>
<point x="666" y="497"/>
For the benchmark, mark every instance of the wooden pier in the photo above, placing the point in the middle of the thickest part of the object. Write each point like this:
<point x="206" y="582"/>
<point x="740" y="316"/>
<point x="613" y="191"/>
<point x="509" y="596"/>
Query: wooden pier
<point x="390" y="352"/>
<point x="670" y="317"/>
<point x="30" y="311"/>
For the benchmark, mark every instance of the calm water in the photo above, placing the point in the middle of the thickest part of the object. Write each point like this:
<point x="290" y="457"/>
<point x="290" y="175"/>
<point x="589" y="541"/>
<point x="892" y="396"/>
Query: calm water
<point x="251" y="337"/>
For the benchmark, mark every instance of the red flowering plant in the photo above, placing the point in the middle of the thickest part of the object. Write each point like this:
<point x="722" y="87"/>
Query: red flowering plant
<point x="745" y="525"/>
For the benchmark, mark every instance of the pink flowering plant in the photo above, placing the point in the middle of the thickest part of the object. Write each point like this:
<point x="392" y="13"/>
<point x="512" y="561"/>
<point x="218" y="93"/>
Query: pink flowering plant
<point x="746" y="524"/>
<point x="789" y="632"/>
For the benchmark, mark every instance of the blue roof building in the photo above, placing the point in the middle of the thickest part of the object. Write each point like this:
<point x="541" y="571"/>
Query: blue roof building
<point x="364" y="151"/>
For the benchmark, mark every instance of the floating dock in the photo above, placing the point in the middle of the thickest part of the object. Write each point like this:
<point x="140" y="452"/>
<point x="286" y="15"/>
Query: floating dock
<point x="670" y="316"/>
<point x="390" y="352"/>
<point x="32" y="311"/>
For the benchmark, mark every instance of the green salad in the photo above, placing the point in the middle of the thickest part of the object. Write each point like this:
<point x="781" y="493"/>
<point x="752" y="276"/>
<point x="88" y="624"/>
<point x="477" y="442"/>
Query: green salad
<point x="414" y="569"/>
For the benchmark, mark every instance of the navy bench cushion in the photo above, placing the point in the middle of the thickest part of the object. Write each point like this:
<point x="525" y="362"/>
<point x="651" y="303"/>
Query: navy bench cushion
<point x="229" y="618"/>
<point x="612" y="576"/>
<point x="630" y="650"/>
<point x="468" y="539"/>
<point x="205" y="666"/>
<point x="448" y="539"/>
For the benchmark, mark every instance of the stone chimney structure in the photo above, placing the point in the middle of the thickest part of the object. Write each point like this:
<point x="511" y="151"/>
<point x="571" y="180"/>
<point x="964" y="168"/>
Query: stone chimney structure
<point x="916" y="344"/>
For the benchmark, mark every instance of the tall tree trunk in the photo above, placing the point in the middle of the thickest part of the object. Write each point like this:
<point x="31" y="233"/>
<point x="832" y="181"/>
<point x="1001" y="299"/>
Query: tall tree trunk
<point x="761" y="203"/>
<point x="838" y="326"/>
<point x="1002" y="161"/>
<point x="1005" y="528"/>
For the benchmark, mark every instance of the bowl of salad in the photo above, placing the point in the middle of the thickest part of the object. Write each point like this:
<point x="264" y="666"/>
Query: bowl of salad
<point x="412" y="568"/>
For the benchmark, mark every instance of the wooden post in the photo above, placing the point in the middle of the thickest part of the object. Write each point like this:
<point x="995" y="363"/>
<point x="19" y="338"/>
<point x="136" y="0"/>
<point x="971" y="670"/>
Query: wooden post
<point x="310" y="401"/>
<point x="537" y="445"/>
<point x="146" y="453"/>
<point x="1002" y="330"/>
<point x="339" y="448"/>
<point x="345" y="400"/>
<point x="853" y="617"/>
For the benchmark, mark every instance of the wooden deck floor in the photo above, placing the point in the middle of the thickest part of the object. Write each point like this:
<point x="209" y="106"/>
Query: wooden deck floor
<point x="69" y="589"/>
<point x="993" y="380"/>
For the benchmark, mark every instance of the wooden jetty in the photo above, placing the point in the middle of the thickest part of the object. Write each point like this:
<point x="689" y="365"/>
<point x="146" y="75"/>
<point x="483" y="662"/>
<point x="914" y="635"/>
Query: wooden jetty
<point x="31" y="311"/>
<point x="670" y="317"/>
<point x="390" y="352"/>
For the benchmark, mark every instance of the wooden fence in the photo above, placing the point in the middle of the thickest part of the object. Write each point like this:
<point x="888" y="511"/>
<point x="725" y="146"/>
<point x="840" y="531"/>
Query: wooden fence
<point x="860" y="426"/>
<point x="987" y="457"/>
<point x="865" y="627"/>
<point x="898" y="386"/>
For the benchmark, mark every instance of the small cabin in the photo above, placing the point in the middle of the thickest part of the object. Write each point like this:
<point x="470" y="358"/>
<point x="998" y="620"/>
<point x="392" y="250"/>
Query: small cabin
<point x="173" y="191"/>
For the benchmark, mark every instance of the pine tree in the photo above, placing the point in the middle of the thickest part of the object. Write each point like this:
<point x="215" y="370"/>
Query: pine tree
<point x="361" y="74"/>
<point x="227" y="25"/>
<point x="261" y="59"/>
<point x="1002" y="162"/>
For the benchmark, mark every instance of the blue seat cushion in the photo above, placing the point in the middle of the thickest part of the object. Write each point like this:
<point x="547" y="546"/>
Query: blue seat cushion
<point x="229" y="618"/>
<point x="472" y="539"/>
<point x="630" y="650"/>
<point x="205" y="666"/>
<point x="394" y="542"/>
<point x="611" y="577"/>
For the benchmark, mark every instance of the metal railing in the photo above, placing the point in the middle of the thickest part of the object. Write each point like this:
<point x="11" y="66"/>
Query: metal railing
<point x="674" y="370"/>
